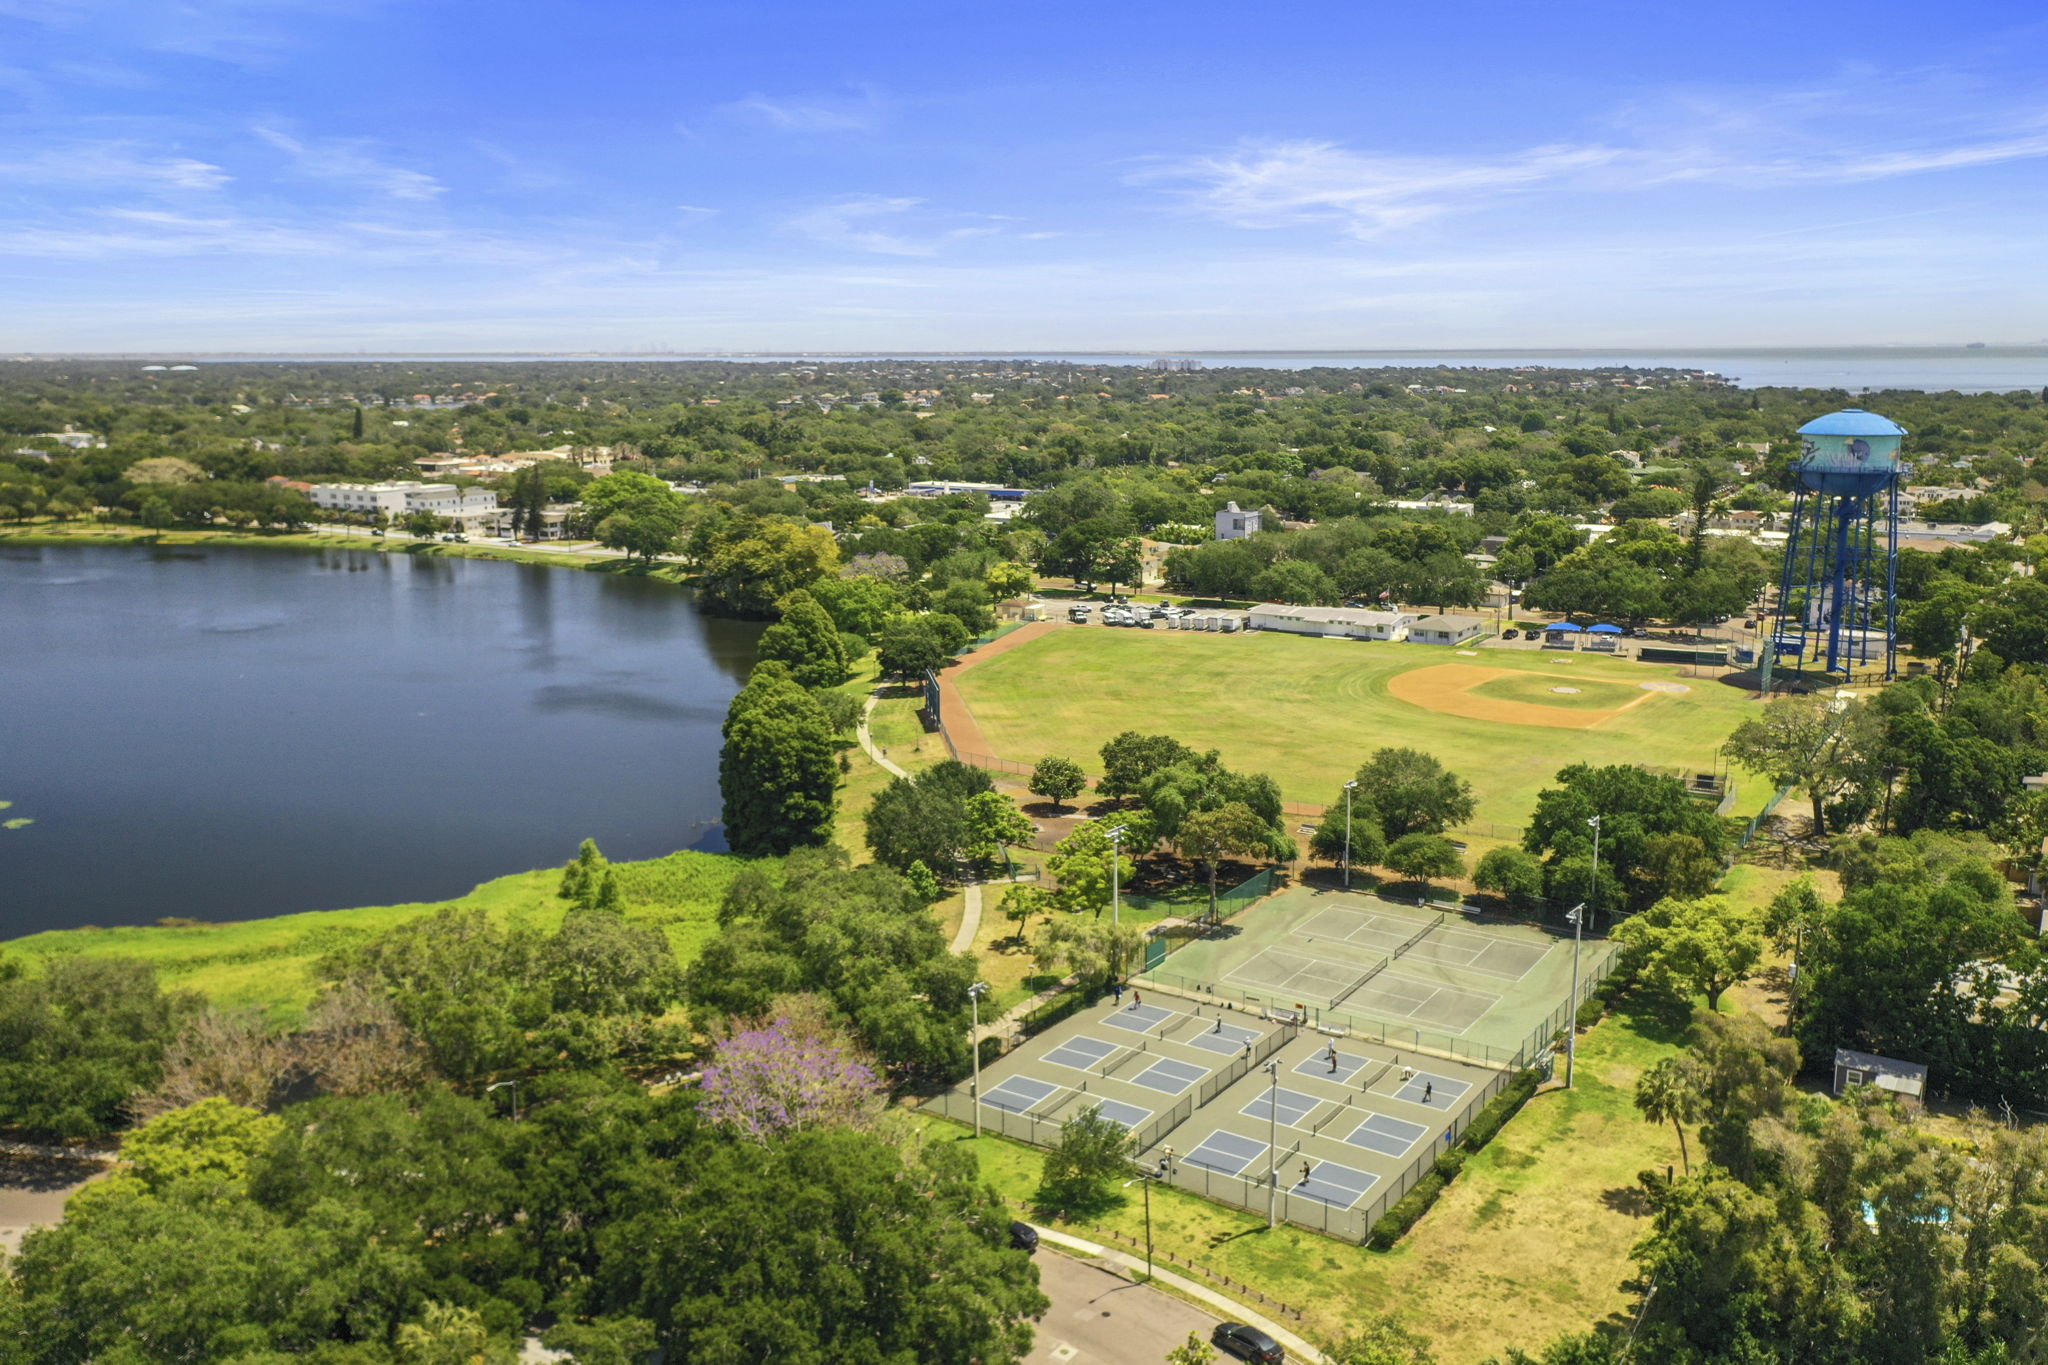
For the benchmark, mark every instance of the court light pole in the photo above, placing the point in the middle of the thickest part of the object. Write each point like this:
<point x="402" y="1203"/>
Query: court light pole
<point x="974" y="994"/>
<point x="1349" y="787"/>
<point x="1593" y="896"/>
<point x="1576" y="915"/>
<point x="1272" y="1144"/>
<point x="1116" y="858"/>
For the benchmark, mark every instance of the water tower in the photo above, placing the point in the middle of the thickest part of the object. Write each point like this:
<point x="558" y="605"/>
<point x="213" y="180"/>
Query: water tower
<point x="1837" y="613"/>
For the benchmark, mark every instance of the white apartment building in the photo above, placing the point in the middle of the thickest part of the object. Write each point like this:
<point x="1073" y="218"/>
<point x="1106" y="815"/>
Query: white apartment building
<point x="1233" y="523"/>
<point x="395" y="500"/>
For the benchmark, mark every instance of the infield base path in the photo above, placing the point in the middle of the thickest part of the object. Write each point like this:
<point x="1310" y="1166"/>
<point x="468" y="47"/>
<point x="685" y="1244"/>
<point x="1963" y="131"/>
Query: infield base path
<point x="1446" y="688"/>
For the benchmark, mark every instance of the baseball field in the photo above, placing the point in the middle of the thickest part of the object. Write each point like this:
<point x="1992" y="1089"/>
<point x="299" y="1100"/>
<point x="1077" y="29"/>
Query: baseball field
<point x="1308" y="710"/>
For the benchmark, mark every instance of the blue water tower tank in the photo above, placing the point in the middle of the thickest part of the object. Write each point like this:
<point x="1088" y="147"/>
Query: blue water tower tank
<point x="1849" y="453"/>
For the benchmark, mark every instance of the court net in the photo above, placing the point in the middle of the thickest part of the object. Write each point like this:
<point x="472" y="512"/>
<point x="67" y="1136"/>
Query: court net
<point x="1420" y="934"/>
<point x="1112" y="1065"/>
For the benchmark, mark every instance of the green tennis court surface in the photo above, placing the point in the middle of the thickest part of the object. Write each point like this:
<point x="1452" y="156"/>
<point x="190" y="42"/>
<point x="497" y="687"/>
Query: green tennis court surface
<point x="1438" y="979"/>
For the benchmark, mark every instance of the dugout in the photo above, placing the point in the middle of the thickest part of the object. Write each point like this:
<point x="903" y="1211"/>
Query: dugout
<point x="1681" y="654"/>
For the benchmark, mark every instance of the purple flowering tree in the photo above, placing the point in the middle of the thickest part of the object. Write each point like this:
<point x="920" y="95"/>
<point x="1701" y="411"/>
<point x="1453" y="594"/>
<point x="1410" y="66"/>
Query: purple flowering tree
<point x="788" y="1075"/>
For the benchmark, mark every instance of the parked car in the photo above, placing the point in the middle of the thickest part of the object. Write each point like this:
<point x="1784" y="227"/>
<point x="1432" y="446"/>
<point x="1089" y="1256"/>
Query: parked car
<point x="1247" y="1343"/>
<point x="1023" y="1237"/>
<point x="1640" y="633"/>
<point x="1510" y="634"/>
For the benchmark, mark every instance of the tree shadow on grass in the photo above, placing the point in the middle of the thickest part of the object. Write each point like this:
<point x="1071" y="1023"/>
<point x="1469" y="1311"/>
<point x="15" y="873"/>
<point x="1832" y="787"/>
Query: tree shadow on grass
<point x="1627" y="1199"/>
<point x="1655" y="1016"/>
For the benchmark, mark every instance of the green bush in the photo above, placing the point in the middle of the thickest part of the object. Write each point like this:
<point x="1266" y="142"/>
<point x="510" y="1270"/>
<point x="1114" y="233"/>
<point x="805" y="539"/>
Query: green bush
<point x="991" y="1049"/>
<point x="1062" y="1006"/>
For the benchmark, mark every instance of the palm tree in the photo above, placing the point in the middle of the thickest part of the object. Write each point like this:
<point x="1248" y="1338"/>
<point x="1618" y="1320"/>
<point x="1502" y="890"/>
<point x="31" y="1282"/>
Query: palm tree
<point x="1670" y="1091"/>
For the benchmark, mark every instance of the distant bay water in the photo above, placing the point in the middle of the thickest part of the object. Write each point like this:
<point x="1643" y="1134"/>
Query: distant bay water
<point x="225" y="733"/>
<point x="1859" y="369"/>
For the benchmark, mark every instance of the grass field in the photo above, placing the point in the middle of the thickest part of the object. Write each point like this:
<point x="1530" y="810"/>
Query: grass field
<point x="267" y="964"/>
<point x="1309" y="710"/>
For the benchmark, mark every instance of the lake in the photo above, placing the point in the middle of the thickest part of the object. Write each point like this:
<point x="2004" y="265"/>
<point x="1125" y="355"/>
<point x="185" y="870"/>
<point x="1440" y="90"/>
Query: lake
<point x="225" y="733"/>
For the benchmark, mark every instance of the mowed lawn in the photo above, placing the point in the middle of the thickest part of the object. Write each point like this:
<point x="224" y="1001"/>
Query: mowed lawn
<point x="1309" y="710"/>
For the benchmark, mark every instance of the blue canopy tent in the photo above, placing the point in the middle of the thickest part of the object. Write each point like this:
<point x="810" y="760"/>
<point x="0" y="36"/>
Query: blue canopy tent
<point x="1562" y="625"/>
<point x="1603" y="629"/>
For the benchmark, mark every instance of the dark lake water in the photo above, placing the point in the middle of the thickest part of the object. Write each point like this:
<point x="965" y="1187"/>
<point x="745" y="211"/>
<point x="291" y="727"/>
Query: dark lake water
<point x="227" y="733"/>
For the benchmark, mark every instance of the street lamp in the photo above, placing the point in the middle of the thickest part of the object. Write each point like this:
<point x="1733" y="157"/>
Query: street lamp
<point x="974" y="994"/>
<point x="1116" y="858"/>
<point x="500" y="1085"/>
<point x="1349" y="787"/>
<point x="1576" y="915"/>
<point x="1593" y="896"/>
<point x="1272" y="1142"/>
<point x="1146" y="1178"/>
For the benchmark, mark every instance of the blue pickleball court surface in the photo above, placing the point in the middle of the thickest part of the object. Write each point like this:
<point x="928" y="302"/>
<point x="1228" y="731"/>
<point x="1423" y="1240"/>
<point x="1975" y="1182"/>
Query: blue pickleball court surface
<point x="1289" y="1106"/>
<point x="1330" y="1183"/>
<point x="1385" y="1134"/>
<point x="1139" y="1018"/>
<point x="1224" y="1038"/>
<point x="1018" y="1093"/>
<point x="1349" y="1064"/>
<point x="1438" y="1092"/>
<point x="1169" y="1075"/>
<point x="1080" y="1053"/>
<point x="1225" y="1153"/>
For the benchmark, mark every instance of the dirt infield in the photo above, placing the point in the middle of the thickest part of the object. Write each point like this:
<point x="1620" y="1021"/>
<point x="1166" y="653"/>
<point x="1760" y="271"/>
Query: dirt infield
<point x="960" y="724"/>
<point x="1446" y="688"/>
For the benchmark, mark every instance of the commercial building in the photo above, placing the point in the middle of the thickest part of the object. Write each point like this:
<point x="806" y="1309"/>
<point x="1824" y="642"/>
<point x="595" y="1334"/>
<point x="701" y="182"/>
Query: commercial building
<point x="1446" y="630"/>
<point x="463" y="505"/>
<point x="1351" y="623"/>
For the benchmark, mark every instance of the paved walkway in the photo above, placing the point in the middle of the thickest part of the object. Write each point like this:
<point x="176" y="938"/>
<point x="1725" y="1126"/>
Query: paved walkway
<point x="867" y="743"/>
<point x="970" y="920"/>
<point x="1297" y="1349"/>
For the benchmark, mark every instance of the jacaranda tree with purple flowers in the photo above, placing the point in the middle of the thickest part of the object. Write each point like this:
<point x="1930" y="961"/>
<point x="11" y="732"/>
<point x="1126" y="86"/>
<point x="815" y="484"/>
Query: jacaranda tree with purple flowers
<point x="793" y="1074"/>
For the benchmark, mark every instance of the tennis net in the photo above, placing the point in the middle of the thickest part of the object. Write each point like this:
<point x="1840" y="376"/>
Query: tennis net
<point x="1420" y="934"/>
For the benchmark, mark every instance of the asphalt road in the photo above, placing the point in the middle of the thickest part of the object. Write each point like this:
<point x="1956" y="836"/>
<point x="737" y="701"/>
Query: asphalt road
<point x="1098" y="1318"/>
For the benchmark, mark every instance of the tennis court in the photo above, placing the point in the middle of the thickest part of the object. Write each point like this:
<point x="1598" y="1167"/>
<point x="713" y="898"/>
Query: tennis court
<point x="1442" y="979"/>
<point x="1241" y="1107"/>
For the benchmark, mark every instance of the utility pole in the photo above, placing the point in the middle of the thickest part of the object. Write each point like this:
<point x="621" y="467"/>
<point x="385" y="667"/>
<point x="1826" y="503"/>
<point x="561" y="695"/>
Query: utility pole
<point x="1349" y="787"/>
<point x="974" y="994"/>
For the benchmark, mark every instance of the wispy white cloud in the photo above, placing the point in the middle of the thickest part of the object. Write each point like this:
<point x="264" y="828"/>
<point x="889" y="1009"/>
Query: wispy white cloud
<point x="1837" y="134"/>
<point x="112" y="164"/>
<point x="861" y="113"/>
<point x="884" y="225"/>
<point x="350" y="161"/>
<point x="1262" y="185"/>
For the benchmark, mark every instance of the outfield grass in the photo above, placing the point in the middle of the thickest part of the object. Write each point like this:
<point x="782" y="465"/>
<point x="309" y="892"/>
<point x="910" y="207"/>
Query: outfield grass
<point x="1309" y="710"/>
<point x="1530" y="1241"/>
<point x="267" y="964"/>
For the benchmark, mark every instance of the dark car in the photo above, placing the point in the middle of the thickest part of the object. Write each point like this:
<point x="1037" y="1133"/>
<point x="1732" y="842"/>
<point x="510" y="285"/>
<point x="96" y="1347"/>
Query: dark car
<point x="1248" y="1343"/>
<point x="1023" y="1237"/>
<point x="1510" y="633"/>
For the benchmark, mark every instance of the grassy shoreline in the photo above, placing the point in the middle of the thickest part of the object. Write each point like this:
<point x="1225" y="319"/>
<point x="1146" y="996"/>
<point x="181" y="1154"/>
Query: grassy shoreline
<point x="269" y="964"/>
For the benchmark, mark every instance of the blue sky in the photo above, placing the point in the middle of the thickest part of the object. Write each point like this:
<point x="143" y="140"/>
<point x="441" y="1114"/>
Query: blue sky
<point x="350" y="174"/>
